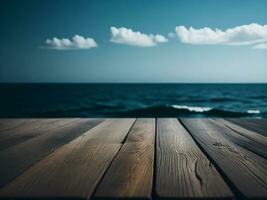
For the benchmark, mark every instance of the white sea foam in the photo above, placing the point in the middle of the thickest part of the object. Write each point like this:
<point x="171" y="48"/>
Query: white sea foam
<point x="192" y="108"/>
<point x="253" y="112"/>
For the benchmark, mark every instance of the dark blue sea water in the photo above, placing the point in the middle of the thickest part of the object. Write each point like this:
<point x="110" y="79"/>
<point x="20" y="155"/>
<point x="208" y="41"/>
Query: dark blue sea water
<point x="133" y="100"/>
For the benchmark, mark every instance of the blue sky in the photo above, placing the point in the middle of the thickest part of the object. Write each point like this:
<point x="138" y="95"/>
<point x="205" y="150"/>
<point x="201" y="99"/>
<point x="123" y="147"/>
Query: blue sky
<point x="151" y="41"/>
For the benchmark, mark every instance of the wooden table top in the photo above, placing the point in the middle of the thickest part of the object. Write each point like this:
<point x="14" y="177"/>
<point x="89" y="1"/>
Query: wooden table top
<point x="128" y="158"/>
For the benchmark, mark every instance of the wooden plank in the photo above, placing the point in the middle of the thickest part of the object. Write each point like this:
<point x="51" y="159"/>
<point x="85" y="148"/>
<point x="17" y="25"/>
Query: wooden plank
<point x="13" y="132"/>
<point x="244" y="169"/>
<point x="250" y="140"/>
<point x="183" y="171"/>
<point x="16" y="159"/>
<point x="131" y="173"/>
<point x="74" y="170"/>
<point x="256" y="125"/>
<point x="8" y="124"/>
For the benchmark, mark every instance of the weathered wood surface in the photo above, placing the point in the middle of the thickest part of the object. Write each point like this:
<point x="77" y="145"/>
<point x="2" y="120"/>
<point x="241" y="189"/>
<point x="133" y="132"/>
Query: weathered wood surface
<point x="127" y="159"/>
<point x="7" y="127"/>
<point x="183" y="171"/>
<point x="256" y="125"/>
<point x="13" y="132"/>
<point x="74" y="170"/>
<point x="131" y="173"/>
<point x="250" y="140"/>
<point x="7" y="124"/>
<point x="244" y="169"/>
<point x="15" y="159"/>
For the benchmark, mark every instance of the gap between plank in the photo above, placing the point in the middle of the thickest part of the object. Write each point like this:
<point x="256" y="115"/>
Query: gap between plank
<point x="154" y="175"/>
<point x="102" y="177"/>
<point x="232" y="187"/>
<point x="101" y="120"/>
<point x="240" y="134"/>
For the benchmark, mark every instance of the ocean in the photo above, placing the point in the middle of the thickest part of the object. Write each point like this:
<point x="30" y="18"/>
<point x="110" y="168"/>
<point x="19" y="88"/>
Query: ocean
<point x="133" y="100"/>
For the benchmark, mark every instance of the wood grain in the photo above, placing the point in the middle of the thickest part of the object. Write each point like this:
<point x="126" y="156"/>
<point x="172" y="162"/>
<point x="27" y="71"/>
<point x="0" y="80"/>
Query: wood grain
<point x="131" y="173"/>
<point x="246" y="170"/>
<point x="256" y="125"/>
<point x="13" y="132"/>
<point x="8" y="124"/>
<point x="74" y="170"/>
<point x="16" y="159"/>
<point x="250" y="140"/>
<point x="183" y="171"/>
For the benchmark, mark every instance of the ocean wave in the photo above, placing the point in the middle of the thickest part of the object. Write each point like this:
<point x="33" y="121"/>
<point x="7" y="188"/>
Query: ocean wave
<point x="185" y="111"/>
<point x="171" y="110"/>
<point x="253" y="111"/>
<point x="192" y="108"/>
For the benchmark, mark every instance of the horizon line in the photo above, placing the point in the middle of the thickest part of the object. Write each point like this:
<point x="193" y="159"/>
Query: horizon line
<point x="133" y="82"/>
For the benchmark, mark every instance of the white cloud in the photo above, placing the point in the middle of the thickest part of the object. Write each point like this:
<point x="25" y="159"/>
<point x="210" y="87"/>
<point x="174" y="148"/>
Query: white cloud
<point x="128" y="36"/>
<point x="76" y="42"/>
<point x="240" y="35"/>
<point x="260" y="46"/>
